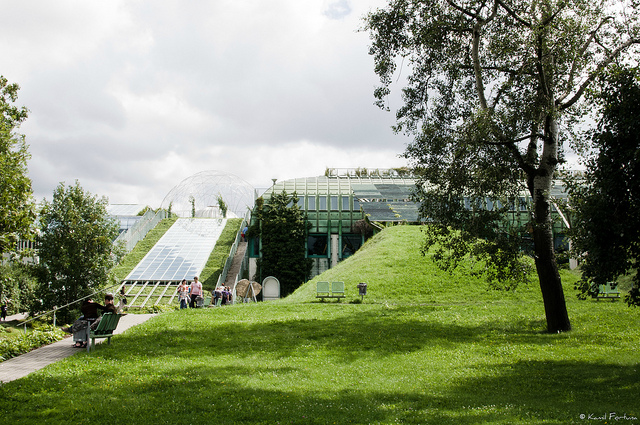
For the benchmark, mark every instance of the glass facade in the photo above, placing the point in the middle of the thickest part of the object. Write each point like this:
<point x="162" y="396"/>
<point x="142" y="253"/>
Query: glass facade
<point x="332" y="206"/>
<point x="333" y="203"/>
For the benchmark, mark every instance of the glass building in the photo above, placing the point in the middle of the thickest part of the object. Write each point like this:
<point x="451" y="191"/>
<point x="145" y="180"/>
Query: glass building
<point x="335" y="202"/>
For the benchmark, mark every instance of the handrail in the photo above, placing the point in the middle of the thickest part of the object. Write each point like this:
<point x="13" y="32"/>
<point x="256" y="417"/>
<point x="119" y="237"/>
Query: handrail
<point x="138" y="231"/>
<point x="243" y="268"/>
<point x="232" y="251"/>
<point x="66" y="305"/>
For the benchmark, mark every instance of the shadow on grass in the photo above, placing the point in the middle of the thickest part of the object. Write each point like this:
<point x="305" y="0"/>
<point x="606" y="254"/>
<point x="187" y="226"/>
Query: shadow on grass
<point x="176" y="371"/>
<point x="348" y="334"/>
<point x="526" y="392"/>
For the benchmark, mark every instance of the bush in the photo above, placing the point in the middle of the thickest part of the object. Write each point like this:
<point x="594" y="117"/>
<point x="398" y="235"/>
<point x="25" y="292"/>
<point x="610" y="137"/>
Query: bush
<point x="35" y="338"/>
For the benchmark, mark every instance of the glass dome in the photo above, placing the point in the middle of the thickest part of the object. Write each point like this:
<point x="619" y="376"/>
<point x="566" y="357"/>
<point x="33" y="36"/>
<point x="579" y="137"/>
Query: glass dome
<point x="203" y="191"/>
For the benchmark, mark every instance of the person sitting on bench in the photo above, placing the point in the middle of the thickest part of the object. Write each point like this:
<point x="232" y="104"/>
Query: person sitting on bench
<point x="108" y="308"/>
<point x="89" y="310"/>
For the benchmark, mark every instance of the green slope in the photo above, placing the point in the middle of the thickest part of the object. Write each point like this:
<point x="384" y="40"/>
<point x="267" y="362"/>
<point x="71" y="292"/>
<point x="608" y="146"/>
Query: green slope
<point x="396" y="272"/>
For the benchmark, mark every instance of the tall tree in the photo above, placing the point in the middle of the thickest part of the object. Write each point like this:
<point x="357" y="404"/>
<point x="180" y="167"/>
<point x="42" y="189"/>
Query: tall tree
<point x="282" y="229"/>
<point x="76" y="247"/>
<point x="489" y="84"/>
<point x="18" y="210"/>
<point x="606" y="222"/>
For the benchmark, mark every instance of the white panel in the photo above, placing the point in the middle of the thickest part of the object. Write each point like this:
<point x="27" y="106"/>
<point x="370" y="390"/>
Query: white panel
<point x="182" y="252"/>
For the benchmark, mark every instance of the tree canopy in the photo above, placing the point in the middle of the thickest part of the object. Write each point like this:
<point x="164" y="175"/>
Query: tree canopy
<point x="282" y="229"/>
<point x="606" y="205"/>
<point x="76" y="247"/>
<point x="18" y="210"/>
<point x="488" y="87"/>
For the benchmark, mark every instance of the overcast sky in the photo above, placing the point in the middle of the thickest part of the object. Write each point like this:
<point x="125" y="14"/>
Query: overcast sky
<point x="131" y="97"/>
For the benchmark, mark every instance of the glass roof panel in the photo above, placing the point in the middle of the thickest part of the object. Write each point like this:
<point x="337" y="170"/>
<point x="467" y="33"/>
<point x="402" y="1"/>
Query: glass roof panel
<point x="182" y="252"/>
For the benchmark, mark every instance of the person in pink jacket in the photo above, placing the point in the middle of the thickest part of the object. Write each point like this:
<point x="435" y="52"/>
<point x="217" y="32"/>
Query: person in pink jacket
<point x="196" y="291"/>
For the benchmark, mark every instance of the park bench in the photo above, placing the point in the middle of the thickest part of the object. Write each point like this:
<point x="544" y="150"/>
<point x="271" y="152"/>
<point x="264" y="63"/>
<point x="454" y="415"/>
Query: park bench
<point x="606" y="291"/>
<point x="107" y="325"/>
<point x="335" y="290"/>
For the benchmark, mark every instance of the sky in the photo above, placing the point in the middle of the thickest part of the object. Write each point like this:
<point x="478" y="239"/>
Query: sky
<point x="131" y="97"/>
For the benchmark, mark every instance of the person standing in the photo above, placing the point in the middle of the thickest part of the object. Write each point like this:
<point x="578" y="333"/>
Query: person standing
<point x="243" y="234"/>
<point x="183" y="293"/>
<point x="196" y="291"/>
<point x="123" y="299"/>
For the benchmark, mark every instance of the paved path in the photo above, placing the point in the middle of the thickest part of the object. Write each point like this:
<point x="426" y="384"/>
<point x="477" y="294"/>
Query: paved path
<point x="20" y="366"/>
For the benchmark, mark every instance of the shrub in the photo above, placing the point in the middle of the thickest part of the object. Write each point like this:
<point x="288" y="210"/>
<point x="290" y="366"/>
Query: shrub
<point x="43" y="335"/>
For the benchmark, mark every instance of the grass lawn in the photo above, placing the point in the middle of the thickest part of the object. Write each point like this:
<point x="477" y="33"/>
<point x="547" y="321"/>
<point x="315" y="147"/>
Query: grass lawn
<point x="423" y="348"/>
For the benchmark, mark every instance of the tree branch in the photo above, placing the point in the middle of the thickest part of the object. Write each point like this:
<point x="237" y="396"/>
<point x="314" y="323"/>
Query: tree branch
<point x="513" y="14"/>
<point x="475" y="55"/>
<point x="580" y="54"/>
<point x="613" y="55"/>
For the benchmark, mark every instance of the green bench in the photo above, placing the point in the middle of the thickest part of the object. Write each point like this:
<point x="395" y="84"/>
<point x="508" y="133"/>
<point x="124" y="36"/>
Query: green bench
<point x="107" y="325"/>
<point x="606" y="291"/>
<point x="333" y="290"/>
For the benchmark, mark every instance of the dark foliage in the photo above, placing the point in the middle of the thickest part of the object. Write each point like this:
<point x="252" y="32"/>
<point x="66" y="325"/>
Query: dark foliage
<point x="606" y="226"/>
<point x="282" y="229"/>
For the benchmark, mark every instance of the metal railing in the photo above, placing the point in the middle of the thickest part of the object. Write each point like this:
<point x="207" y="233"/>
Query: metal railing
<point x="232" y="252"/>
<point x="139" y="230"/>
<point x="229" y="260"/>
<point x="102" y="291"/>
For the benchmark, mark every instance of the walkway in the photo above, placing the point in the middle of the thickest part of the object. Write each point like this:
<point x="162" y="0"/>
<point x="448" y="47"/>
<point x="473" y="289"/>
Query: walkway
<point x="20" y="366"/>
<point x="236" y="264"/>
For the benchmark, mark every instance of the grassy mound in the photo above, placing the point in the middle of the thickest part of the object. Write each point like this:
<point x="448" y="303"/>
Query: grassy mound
<point x="397" y="273"/>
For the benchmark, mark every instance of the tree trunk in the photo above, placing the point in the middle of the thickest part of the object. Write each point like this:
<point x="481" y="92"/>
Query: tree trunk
<point x="552" y="293"/>
<point x="545" y="258"/>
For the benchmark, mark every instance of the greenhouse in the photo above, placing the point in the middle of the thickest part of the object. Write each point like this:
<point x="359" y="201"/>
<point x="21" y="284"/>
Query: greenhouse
<point x="212" y="194"/>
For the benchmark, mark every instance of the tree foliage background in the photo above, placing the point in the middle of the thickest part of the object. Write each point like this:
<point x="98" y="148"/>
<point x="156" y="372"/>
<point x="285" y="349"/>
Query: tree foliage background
<point x="281" y="226"/>
<point x="17" y="286"/>
<point x="75" y="246"/>
<point x="18" y="209"/>
<point x="606" y="205"/>
<point x="490" y="92"/>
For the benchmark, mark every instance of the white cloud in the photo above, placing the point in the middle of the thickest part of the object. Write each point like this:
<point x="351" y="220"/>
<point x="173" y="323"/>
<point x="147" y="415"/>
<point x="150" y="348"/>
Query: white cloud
<point x="131" y="97"/>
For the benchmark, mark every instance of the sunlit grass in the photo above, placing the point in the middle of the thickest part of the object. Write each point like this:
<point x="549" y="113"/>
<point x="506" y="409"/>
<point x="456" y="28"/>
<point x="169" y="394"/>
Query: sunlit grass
<point x="447" y="351"/>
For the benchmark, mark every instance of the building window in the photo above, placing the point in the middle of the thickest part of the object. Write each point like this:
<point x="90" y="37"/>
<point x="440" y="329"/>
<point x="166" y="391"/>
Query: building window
<point x="317" y="246"/>
<point x="334" y="203"/>
<point x="350" y="244"/>
<point x="523" y="204"/>
<point x="322" y="203"/>
<point x="489" y="202"/>
<point x="345" y="203"/>
<point x="311" y="203"/>
<point x="254" y="247"/>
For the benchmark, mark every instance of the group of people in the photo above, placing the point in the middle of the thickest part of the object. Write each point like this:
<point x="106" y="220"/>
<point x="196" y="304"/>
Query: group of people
<point x="221" y="293"/>
<point x="90" y="317"/>
<point x="189" y="294"/>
